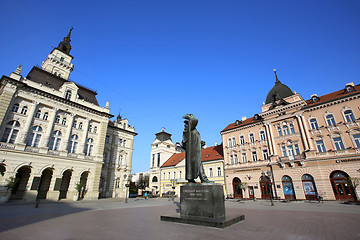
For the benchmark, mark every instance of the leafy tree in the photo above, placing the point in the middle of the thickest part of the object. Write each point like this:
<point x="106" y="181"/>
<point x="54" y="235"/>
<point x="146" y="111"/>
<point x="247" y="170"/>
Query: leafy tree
<point x="142" y="182"/>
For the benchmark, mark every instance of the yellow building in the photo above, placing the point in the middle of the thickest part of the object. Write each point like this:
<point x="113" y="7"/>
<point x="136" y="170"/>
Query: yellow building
<point x="173" y="170"/>
<point x="296" y="149"/>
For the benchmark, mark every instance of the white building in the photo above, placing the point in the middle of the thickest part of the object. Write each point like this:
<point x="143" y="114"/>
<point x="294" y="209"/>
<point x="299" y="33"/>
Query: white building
<point x="53" y="131"/>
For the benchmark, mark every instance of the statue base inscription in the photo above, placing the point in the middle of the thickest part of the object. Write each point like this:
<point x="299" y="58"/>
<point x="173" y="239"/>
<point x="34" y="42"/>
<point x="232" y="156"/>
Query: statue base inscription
<point x="203" y="204"/>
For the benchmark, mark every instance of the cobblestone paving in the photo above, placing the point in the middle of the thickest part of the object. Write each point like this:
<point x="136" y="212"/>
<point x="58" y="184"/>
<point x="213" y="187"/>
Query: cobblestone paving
<point x="140" y="219"/>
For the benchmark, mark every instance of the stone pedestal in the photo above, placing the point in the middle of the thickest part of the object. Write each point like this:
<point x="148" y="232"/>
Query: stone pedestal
<point x="203" y="204"/>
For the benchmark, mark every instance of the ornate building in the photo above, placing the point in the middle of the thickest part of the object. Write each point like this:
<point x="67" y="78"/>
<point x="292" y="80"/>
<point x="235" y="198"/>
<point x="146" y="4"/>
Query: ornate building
<point x="173" y="170"/>
<point x="53" y="132"/>
<point x="296" y="148"/>
<point x="161" y="150"/>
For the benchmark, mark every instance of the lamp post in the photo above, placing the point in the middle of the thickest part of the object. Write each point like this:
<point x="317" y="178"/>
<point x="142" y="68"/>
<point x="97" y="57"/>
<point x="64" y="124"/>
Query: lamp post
<point x="173" y="181"/>
<point x="127" y="185"/>
<point x="269" y="175"/>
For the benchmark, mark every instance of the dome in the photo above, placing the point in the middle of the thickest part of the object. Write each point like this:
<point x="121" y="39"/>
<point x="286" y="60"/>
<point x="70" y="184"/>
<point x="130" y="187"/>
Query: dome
<point x="279" y="91"/>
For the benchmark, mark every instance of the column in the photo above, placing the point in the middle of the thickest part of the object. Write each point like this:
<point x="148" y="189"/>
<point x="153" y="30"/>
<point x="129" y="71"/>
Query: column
<point x="306" y="145"/>
<point x="84" y="136"/>
<point x="52" y="115"/>
<point x="65" y="142"/>
<point x="270" y="144"/>
<point x="272" y="139"/>
<point x="28" y="122"/>
<point x="311" y="146"/>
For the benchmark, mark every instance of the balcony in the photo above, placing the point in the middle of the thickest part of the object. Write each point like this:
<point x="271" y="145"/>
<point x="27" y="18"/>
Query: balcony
<point x="292" y="158"/>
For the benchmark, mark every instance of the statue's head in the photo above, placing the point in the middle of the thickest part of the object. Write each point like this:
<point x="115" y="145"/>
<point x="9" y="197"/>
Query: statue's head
<point x="190" y="122"/>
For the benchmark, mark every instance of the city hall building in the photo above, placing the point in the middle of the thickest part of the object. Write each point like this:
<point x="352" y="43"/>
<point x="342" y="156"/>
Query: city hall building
<point x="295" y="148"/>
<point x="53" y="134"/>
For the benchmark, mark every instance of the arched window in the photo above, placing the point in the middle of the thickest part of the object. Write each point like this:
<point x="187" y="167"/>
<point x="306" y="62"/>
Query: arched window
<point x="251" y="137"/>
<point x="229" y="142"/>
<point x="262" y="136"/>
<point x="68" y="94"/>
<point x="313" y="124"/>
<point x="309" y="187"/>
<point x="73" y="143"/>
<point x="330" y="120"/>
<point x="80" y="125"/>
<point x="349" y="116"/>
<point x="24" y="110"/>
<point x="10" y="132"/>
<point x="120" y="162"/>
<point x="288" y="188"/>
<point x="242" y="140"/>
<point x="37" y="114"/>
<point x="286" y="130"/>
<point x="89" y="147"/>
<point x="46" y="115"/>
<point x="154" y="179"/>
<point x="117" y="183"/>
<point x="292" y="129"/>
<point x="15" y="108"/>
<point x="34" y="136"/>
<point x="234" y="142"/>
<point x="279" y="131"/>
<point x="55" y="140"/>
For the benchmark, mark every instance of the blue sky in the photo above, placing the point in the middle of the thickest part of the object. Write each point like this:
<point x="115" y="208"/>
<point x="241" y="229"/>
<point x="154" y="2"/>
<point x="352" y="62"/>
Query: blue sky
<point x="158" y="60"/>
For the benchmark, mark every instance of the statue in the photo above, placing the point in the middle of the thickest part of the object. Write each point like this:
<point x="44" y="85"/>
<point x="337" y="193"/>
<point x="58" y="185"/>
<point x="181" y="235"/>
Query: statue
<point x="192" y="144"/>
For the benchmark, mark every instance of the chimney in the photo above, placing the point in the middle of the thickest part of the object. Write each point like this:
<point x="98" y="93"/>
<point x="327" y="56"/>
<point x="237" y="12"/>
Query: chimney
<point x="216" y="143"/>
<point x="243" y="118"/>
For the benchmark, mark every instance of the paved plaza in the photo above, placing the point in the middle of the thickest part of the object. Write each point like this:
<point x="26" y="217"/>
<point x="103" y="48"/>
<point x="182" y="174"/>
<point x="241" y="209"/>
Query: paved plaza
<point x="140" y="219"/>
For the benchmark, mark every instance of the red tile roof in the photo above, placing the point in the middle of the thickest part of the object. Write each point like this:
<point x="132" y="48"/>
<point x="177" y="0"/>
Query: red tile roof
<point x="207" y="154"/>
<point x="241" y="123"/>
<point x="332" y="96"/>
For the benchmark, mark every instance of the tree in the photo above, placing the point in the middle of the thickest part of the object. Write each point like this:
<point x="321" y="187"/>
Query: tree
<point x="11" y="183"/>
<point x="354" y="182"/>
<point x="142" y="182"/>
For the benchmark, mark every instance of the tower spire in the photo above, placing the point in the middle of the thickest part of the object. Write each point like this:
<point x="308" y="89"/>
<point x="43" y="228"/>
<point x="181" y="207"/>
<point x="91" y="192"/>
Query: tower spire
<point x="65" y="45"/>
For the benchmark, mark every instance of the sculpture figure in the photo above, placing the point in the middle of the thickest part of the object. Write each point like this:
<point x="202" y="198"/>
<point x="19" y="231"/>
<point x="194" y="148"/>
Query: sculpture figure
<point x="192" y="144"/>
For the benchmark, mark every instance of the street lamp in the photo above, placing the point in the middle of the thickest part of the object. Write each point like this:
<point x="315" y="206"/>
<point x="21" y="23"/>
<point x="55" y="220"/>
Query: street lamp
<point x="173" y="181"/>
<point x="127" y="185"/>
<point x="269" y="175"/>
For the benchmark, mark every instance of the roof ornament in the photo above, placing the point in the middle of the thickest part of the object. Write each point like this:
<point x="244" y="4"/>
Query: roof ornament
<point x="277" y="80"/>
<point x="18" y="70"/>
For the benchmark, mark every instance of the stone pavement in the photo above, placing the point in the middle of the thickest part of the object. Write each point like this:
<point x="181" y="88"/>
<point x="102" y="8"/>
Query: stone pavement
<point x="140" y="219"/>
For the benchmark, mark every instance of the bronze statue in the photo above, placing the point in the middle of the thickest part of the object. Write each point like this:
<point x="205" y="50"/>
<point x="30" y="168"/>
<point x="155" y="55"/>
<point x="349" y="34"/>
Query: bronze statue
<point x="192" y="144"/>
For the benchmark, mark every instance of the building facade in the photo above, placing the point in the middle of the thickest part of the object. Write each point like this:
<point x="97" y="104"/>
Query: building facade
<point x="173" y="170"/>
<point x="52" y="132"/>
<point x="161" y="150"/>
<point x="296" y="149"/>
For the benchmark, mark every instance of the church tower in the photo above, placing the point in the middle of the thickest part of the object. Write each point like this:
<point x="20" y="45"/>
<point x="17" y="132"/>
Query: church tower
<point x="59" y="60"/>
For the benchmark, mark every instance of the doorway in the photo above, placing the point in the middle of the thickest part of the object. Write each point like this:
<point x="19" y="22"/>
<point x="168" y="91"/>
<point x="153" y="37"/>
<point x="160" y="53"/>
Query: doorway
<point x="342" y="187"/>
<point x="265" y="185"/>
<point x="65" y="181"/>
<point x="44" y="183"/>
<point x="237" y="188"/>
<point x="21" y="179"/>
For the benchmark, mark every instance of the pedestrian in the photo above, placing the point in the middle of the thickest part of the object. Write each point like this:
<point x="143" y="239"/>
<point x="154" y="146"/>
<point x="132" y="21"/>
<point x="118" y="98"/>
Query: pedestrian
<point x="318" y="198"/>
<point x="146" y="195"/>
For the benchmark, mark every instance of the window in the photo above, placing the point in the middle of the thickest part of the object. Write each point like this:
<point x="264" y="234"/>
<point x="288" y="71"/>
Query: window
<point x="74" y="124"/>
<point x="242" y="140"/>
<point x="163" y="176"/>
<point x="283" y="149"/>
<point x="292" y="129"/>
<point x="234" y="142"/>
<point x="229" y="142"/>
<point x="211" y="174"/>
<point x="37" y="114"/>
<point x="357" y="140"/>
<point x="180" y="174"/>
<point x="330" y="120"/>
<point x="68" y="95"/>
<point x="15" y="108"/>
<point x="265" y="154"/>
<point x="320" y="146"/>
<point x="124" y="143"/>
<point x="120" y="161"/>
<point x="153" y="160"/>
<point x="349" y="116"/>
<point x="251" y="138"/>
<point x="279" y="131"/>
<point x="63" y="121"/>
<point x="55" y="140"/>
<point x="80" y="125"/>
<point x="236" y="159"/>
<point x="10" y="132"/>
<point x="57" y="119"/>
<point x="24" y="110"/>
<point x="168" y="146"/>
<point x="254" y="156"/>
<point x="286" y="130"/>
<point x="231" y="159"/>
<point x="89" y="147"/>
<point x="297" y="150"/>
<point x="158" y="159"/>
<point x="243" y="157"/>
<point x="90" y="128"/>
<point x="262" y="136"/>
<point x="168" y="175"/>
<point x="219" y="171"/>
<point x="174" y="175"/>
<point x="95" y="129"/>
<point x="313" y="124"/>
<point x="338" y="143"/>
<point x="290" y="150"/>
<point x="61" y="59"/>
<point x="46" y="115"/>
<point x="73" y="143"/>
<point x="107" y="139"/>
<point x="34" y="136"/>
<point x="117" y="183"/>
